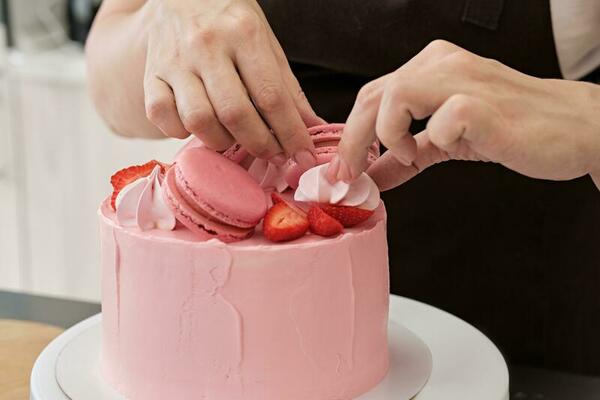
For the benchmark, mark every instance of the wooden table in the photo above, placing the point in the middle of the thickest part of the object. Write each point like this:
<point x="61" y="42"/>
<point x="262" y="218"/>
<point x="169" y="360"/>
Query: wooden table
<point x="20" y="344"/>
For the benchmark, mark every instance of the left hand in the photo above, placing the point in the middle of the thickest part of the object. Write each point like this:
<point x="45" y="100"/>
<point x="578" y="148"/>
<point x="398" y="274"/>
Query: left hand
<point x="480" y="110"/>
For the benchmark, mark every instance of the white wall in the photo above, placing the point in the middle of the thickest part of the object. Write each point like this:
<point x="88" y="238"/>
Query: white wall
<point x="62" y="158"/>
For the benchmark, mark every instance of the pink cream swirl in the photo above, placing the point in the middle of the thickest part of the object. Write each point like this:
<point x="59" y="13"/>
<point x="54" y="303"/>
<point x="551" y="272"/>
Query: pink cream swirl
<point x="140" y="204"/>
<point x="314" y="187"/>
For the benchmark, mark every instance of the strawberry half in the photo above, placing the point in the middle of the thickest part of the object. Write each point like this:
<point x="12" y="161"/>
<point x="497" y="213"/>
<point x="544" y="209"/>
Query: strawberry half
<point x="322" y="223"/>
<point x="283" y="223"/>
<point x="276" y="198"/>
<point x="348" y="216"/>
<point x="124" y="177"/>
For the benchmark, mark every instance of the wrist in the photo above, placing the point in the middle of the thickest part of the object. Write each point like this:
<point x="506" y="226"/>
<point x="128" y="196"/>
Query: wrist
<point x="591" y="120"/>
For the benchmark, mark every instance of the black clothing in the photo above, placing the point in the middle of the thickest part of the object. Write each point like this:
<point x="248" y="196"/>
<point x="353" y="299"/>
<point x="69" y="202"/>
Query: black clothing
<point x="519" y="258"/>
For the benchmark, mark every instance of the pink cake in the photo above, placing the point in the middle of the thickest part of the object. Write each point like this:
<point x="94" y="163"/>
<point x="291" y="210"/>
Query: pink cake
<point x="185" y="318"/>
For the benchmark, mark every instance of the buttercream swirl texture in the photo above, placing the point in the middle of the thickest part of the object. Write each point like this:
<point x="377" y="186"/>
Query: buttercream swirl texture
<point x="140" y="204"/>
<point x="315" y="187"/>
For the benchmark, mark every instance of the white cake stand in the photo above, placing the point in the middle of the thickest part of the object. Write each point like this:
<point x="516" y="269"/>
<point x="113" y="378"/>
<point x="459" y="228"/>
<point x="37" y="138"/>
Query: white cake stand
<point x="466" y="365"/>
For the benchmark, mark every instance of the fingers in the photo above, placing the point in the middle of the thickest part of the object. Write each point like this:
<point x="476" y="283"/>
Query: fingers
<point x="235" y="111"/>
<point x="260" y="72"/>
<point x="359" y="133"/>
<point x="302" y="104"/>
<point x="308" y="115"/>
<point x="388" y="172"/>
<point x="161" y="109"/>
<point x="196" y="112"/>
<point x="383" y="108"/>
<point x="467" y="128"/>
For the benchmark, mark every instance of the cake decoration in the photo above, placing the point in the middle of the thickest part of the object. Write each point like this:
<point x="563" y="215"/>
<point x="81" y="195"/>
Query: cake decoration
<point x="347" y="215"/>
<point x="283" y="223"/>
<point x="124" y="177"/>
<point x="213" y="196"/>
<point x="280" y="314"/>
<point x="141" y="204"/>
<point x="326" y="139"/>
<point x="268" y="175"/>
<point x="315" y="187"/>
<point x="322" y="223"/>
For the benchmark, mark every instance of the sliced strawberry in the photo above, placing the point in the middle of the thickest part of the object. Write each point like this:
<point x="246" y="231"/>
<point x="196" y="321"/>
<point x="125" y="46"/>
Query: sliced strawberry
<point x="283" y="223"/>
<point x="348" y="216"/>
<point x="322" y="223"/>
<point x="276" y="198"/>
<point x="124" y="177"/>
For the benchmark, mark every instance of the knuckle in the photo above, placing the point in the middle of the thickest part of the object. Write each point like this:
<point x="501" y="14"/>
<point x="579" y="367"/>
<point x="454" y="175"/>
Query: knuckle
<point x="399" y="89"/>
<point x="157" y="109"/>
<point x="438" y="45"/>
<point x="231" y="114"/>
<point x="460" y="106"/>
<point x="245" y="21"/>
<point x="269" y="98"/>
<point x="367" y="95"/>
<point x="197" y="120"/>
<point x="461" y="60"/>
<point x="202" y="37"/>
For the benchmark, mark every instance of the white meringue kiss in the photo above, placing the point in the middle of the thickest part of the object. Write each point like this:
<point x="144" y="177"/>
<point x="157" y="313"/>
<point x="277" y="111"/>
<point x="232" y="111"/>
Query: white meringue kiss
<point x="268" y="175"/>
<point x="314" y="187"/>
<point x="141" y="204"/>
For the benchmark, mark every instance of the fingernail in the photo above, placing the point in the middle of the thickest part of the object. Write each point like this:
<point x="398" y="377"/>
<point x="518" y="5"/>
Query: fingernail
<point x="279" y="159"/>
<point x="332" y="171"/>
<point x="305" y="159"/>
<point x="344" y="173"/>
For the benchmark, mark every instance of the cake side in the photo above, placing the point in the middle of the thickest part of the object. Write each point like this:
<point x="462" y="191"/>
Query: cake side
<point x="188" y="319"/>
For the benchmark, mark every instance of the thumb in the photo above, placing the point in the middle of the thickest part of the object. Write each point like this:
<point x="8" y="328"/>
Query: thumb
<point x="388" y="172"/>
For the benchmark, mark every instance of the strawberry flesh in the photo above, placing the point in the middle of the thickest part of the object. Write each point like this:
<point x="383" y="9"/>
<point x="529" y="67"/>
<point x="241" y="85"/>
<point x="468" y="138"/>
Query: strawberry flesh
<point x="124" y="177"/>
<point x="322" y="223"/>
<point x="282" y="223"/>
<point x="276" y="198"/>
<point x="348" y="216"/>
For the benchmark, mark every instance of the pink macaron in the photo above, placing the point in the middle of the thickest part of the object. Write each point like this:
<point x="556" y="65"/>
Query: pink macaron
<point x="213" y="196"/>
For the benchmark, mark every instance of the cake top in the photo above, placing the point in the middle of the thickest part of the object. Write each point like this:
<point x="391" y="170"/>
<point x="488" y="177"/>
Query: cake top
<point x="228" y="196"/>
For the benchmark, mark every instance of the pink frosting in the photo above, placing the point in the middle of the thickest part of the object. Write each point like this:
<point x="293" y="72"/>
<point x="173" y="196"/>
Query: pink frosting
<point x="314" y="187"/>
<point x="141" y="204"/>
<point x="252" y="320"/>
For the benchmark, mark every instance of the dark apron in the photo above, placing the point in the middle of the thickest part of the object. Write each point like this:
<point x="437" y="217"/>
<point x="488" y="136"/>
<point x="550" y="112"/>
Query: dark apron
<point x="519" y="258"/>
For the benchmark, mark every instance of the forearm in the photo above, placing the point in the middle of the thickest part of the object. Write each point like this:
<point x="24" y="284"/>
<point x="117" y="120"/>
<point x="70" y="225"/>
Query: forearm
<point x="115" y="53"/>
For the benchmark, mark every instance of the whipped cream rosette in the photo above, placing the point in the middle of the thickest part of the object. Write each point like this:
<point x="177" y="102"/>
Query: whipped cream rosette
<point x="141" y="204"/>
<point x="315" y="187"/>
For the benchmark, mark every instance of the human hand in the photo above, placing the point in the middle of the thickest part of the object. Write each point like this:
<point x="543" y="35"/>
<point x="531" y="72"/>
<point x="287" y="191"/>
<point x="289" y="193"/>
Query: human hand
<point x="215" y="69"/>
<point x="480" y="110"/>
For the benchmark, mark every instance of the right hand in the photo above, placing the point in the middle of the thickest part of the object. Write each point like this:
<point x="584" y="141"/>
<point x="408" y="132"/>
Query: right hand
<point x="215" y="69"/>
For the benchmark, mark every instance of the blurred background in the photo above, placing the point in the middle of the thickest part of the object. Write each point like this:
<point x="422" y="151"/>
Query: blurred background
<point x="56" y="155"/>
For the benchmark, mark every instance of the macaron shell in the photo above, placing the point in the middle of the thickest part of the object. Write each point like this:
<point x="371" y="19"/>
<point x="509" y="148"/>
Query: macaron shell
<point x="219" y="187"/>
<point x="202" y="226"/>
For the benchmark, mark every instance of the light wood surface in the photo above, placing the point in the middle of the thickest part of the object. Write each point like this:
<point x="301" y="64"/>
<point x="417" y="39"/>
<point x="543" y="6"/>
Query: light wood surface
<point x="20" y="344"/>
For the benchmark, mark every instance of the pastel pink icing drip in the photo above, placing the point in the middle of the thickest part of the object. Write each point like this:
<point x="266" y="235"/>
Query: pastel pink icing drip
<point x="252" y="320"/>
<point x="315" y="187"/>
